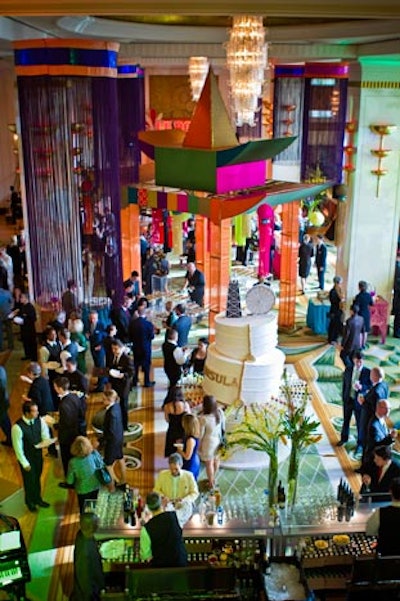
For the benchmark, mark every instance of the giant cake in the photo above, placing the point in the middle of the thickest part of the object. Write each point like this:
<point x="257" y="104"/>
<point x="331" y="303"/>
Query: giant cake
<point x="243" y="364"/>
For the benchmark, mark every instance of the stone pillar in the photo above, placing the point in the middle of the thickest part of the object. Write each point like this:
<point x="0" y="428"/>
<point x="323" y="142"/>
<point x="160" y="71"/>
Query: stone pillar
<point x="372" y="213"/>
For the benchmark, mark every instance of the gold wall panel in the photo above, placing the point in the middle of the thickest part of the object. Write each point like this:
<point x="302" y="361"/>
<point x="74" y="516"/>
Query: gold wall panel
<point x="170" y="95"/>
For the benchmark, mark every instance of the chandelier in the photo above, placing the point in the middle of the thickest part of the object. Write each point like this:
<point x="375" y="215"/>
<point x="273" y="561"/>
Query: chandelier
<point x="246" y="57"/>
<point x="198" y="69"/>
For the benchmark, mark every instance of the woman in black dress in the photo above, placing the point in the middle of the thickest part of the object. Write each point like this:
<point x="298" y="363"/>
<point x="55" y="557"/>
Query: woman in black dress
<point x="306" y="252"/>
<point x="199" y="356"/>
<point x="173" y="412"/>
<point x="335" y="314"/>
<point x="364" y="301"/>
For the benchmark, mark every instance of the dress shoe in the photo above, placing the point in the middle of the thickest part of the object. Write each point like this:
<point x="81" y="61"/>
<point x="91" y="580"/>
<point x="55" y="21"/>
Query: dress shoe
<point x="32" y="508"/>
<point x="42" y="503"/>
<point x="65" y="485"/>
<point x="341" y="443"/>
<point x="149" y="385"/>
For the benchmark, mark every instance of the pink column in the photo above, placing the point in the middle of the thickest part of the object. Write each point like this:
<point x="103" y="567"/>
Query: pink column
<point x="265" y="238"/>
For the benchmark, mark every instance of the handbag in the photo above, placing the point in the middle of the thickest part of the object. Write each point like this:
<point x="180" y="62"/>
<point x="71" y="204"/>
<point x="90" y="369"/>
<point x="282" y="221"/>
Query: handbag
<point x="103" y="475"/>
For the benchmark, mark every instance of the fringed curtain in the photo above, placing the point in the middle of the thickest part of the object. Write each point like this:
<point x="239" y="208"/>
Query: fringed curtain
<point x="131" y="108"/>
<point x="323" y="131"/>
<point x="288" y="115"/>
<point x="69" y="123"/>
<point x="48" y="108"/>
<point x="106" y="161"/>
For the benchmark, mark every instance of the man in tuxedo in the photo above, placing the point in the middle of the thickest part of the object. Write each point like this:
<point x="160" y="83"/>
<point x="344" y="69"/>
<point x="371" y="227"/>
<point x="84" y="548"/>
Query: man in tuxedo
<point x="379" y="390"/>
<point x="40" y="393"/>
<point x="351" y="341"/>
<point x="174" y="359"/>
<point x="182" y="325"/>
<point x="71" y="423"/>
<point x="378" y="433"/>
<point x="96" y="334"/>
<point x="356" y="381"/>
<point x="121" y="372"/>
<point x="320" y="260"/>
<point x="141" y="333"/>
<point x="380" y="472"/>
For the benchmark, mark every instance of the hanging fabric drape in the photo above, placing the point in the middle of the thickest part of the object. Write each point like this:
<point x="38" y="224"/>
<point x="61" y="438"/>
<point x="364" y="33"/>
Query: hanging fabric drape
<point x="288" y="110"/>
<point x="131" y="110"/>
<point x="68" y="107"/>
<point x="325" y="97"/>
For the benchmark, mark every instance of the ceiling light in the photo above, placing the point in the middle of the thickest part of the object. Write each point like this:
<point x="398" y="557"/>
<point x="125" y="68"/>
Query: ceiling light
<point x="198" y="70"/>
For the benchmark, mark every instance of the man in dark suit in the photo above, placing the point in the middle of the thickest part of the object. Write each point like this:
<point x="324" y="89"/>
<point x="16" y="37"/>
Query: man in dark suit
<point x="351" y="341"/>
<point x="320" y="260"/>
<point x="378" y="433"/>
<point x="195" y="283"/>
<point x="78" y="382"/>
<point x="141" y="333"/>
<point x="380" y="472"/>
<point x="356" y="381"/>
<point x="96" y="334"/>
<point x="182" y="325"/>
<point x="121" y="317"/>
<point x="26" y="318"/>
<point x="121" y="373"/>
<point x="385" y="523"/>
<point x="379" y="390"/>
<point x="71" y="423"/>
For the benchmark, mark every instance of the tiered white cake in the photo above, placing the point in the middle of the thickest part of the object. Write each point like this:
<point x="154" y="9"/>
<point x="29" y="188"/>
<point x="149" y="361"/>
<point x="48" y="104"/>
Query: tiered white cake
<point x="243" y="364"/>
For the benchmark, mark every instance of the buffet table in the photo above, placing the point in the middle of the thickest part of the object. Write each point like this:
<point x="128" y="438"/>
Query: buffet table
<point x="317" y="315"/>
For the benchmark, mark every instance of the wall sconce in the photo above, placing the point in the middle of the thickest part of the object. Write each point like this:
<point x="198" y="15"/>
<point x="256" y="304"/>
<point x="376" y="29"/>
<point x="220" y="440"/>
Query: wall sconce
<point x="349" y="149"/>
<point x="381" y="153"/>
<point x="289" y="120"/>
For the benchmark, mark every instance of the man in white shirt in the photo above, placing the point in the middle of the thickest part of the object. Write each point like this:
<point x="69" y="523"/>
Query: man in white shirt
<point x="178" y="488"/>
<point x="174" y="358"/>
<point x="26" y="434"/>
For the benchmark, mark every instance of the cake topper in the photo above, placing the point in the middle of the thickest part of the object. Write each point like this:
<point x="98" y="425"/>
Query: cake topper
<point x="233" y="307"/>
<point x="260" y="298"/>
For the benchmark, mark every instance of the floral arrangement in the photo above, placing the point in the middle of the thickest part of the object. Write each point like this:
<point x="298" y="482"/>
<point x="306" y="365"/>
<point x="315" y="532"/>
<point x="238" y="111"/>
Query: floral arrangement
<point x="284" y="419"/>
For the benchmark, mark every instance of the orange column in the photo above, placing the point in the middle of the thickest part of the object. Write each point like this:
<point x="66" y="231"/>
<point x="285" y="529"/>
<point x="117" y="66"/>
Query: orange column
<point x="203" y="252"/>
<point x="130" y="240"/>
<point x="289" y="254"/>
<point x="220" y="266"/>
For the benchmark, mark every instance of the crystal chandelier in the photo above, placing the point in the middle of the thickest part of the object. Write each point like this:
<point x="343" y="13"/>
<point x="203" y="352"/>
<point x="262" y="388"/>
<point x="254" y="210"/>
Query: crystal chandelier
<point x="246" y="57"/>
<point x="198" y="69"/>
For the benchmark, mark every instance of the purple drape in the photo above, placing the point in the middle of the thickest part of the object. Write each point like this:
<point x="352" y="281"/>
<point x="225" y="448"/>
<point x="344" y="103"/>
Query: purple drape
<point x="131" y="120"/>
<point x="323" y="127"/>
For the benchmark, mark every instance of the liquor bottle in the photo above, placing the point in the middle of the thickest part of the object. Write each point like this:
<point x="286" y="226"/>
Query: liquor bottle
<point x="220" y="515"/>
<point x="218" y="496"/>
<point x="139" y="507"/>
<point x="281" y="496"/>
<point x="266" y="565"/>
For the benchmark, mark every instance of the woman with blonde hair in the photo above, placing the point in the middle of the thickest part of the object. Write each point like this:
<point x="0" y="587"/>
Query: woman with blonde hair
<point x="212" y="426"/>
<point x="82" y="470"/>
<point x="189" y="453"/>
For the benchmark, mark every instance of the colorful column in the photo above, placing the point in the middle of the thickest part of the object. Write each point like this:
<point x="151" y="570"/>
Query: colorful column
<point x="130" y="240"/>
<point x="68" y="105"/>
<point x="220" y="265"/>
<point x="203" y="261"/>
<point x="289" y="254"/>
